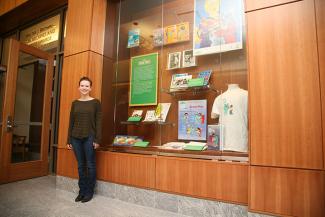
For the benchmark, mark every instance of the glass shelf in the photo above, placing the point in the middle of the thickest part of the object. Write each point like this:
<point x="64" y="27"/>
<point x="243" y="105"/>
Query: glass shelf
<point x="147" y="123"/>
<point x="193" y="90"/>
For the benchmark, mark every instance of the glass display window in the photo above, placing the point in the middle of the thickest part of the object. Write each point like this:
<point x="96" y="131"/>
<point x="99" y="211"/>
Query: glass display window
<point x="180" y="78"/>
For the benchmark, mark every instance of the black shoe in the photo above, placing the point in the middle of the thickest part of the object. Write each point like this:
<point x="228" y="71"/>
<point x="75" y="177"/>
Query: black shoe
<point x="86" y="199"/>
<point x="79" y="198"/>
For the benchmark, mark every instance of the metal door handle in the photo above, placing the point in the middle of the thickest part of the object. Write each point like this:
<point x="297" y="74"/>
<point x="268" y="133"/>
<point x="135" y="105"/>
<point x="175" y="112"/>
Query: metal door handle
<point x="10" y="124"/>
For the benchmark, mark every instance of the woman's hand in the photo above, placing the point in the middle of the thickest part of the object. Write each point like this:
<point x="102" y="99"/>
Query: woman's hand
<point x="96" y="145"/>
<point x="69" y="146"/>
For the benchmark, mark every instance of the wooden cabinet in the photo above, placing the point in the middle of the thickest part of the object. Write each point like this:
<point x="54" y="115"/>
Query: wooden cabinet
<point x="201" y="178"/>
<point x="288" y="192"/>
<point x="130" y="169"/>
<point x="285" y="108"/>
<point x="258" y="4"/>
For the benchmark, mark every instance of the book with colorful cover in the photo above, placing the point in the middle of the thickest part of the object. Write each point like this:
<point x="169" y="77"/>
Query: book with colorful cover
<point x="183" y="31"/>
<point x="206" y="75"/>
<point x="150" y="116"/>
<point x="136" y="115"/>
<point x="179" y="81"/>
<point x="125" y="140"/>
<point x="215" y="137"/>
<point x="162" y="111"/>
<point x="158" y="37"/>
<point x="134" y="38"/>
<point x="170" y="34"/>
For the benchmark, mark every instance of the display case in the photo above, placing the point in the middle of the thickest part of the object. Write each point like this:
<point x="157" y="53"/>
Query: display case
<point x="174" y="58"/>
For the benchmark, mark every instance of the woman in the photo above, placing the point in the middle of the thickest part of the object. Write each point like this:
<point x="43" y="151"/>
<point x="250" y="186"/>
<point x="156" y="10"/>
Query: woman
<point x="84" y="137"/>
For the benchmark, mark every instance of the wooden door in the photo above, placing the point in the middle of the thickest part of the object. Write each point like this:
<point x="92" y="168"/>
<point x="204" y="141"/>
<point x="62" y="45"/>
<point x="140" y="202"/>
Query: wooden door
<point x="25" y="113"/>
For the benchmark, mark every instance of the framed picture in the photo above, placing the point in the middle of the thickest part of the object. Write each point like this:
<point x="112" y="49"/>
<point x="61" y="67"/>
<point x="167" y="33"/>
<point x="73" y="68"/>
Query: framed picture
<point x="217" y="26"/>
<point x="174" y="60"/>
<point x="192" y="120"/>
<point x="188" y="59"/>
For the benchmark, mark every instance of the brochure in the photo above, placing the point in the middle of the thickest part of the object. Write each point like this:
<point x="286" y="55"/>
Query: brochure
<point x="179" y="81"/>
<point x="215" y="137"/>
<point x="150" y="116"/>
<point x="162" y="111"/>
<point x="136" y="115"/>
<point x="134" y="38"/>
<point x="206" y="75"/>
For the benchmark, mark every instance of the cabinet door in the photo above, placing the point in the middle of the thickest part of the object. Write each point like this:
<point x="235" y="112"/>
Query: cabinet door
<point x="285" y="107"/>
<point x="258" y="4"/>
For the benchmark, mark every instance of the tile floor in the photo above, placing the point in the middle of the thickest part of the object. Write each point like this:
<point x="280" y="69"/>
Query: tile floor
<point x="39" y="197"/>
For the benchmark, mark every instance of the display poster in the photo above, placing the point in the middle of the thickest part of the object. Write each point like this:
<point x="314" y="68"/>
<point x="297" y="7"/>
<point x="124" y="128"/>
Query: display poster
<point x="144" y="80"/>
<point x="217" y="26"/>
<point x="192" y="120"/>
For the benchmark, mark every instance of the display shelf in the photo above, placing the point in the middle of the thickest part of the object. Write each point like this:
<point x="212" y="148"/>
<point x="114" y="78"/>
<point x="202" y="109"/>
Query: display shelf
<point x="206" y="154"/>
<point x="193" y="90"/>
<point x="140" y="123"/>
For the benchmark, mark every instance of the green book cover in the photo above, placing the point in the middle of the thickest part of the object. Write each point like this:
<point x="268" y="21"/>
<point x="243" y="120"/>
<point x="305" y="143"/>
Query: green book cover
<point x="194" y="147"/>
<point x="141" y="144"/>
<point x="134" y="119"/>
<point x="196" y="82"/>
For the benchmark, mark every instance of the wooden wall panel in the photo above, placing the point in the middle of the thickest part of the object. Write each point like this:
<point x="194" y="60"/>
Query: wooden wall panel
<point x="208" y="179"/>
<point x="129" y="169"/>
<point x="320" y="21"/>
<point x="289" y="192"/>
<point x="258" y="4"/>
<point x="79" y="26"/>
<point x="6" y="5"/>
<point x="285" y="123"/>
<point x="84" y="64"/>
<point x="98" y="26"/>
<point x="19" y="2"/>
<point x="66" y="163"/>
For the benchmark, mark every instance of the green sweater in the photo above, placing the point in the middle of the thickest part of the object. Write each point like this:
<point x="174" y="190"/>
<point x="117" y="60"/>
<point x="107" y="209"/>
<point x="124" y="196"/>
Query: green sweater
<point x="85" y="120"/>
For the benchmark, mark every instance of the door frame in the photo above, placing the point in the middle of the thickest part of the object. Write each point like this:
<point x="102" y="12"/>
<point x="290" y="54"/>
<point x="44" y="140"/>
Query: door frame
<point x="18" y="171"/>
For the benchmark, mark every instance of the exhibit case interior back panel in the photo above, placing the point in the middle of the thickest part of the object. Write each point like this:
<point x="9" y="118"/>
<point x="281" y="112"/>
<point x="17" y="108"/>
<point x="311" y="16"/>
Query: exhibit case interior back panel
<point x="180" y="79"/>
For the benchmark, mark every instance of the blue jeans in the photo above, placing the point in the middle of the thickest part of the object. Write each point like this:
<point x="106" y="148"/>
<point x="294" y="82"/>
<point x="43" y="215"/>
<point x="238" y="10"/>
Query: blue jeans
<point x="85" y="154"/>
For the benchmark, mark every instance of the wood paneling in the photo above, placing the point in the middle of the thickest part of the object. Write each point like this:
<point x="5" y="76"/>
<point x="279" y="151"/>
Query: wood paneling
<point x="6" y="5"/>
<point x="320" y="21"/>
<point x="66" y="163"/>
<point x="110" y="31"/>
<point x="98" y="26"/>
<point x="84" y="64"/>
<point x="130" y="169"/>
<point x="285" y="123"/>
<point x="19" y="2"/>
<point x="200" y="178"/>
<point x="289" y="192"/>
<point x="85" y="26"/>
<point x="79" y="21"/>
<point x="258" y="4"/>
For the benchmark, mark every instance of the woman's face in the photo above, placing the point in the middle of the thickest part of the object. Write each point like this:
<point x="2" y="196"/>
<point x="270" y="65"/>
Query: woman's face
<point x="84" y="87"/>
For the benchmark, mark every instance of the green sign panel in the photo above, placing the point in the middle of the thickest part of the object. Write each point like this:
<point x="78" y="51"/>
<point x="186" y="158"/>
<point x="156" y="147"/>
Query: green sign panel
<point x="144" y="80"/>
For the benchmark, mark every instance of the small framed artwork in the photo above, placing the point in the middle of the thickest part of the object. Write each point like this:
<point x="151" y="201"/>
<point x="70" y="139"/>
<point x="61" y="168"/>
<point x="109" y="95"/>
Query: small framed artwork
<point x="188" y="59"/>
<point x="174" y="60"/>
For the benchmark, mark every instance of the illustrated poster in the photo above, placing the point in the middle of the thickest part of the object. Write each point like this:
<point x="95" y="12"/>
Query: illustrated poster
<point x="217" y="26"/>
<point x="192" y="120"/>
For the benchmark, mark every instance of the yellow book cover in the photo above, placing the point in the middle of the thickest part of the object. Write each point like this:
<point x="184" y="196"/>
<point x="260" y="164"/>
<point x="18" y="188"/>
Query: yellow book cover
<point x="183" y="31"/>
<point x="170" y="34"/>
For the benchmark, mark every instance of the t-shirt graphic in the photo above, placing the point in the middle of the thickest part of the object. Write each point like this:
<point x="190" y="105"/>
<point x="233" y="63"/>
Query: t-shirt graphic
<point x="231" y="106"/>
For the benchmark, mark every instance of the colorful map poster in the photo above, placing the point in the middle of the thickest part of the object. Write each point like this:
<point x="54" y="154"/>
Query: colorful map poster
<point x="217" y="26"/>
<point x="192" y="120"/>
<point x="144" y="80"/>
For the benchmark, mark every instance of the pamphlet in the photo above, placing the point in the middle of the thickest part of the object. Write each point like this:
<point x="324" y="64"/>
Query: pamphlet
<point x="215" y="137"/>
<point x="134" y="38"/>
<point x="162" y="111"/>
<point x="206" y="75"/>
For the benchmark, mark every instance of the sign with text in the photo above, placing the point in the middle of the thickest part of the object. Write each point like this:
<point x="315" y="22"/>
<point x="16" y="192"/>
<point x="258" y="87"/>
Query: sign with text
<point x="144" y="80"/>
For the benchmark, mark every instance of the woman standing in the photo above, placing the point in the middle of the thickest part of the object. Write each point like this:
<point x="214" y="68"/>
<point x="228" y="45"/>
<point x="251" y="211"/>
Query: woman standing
<point x="84" y="137"/>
